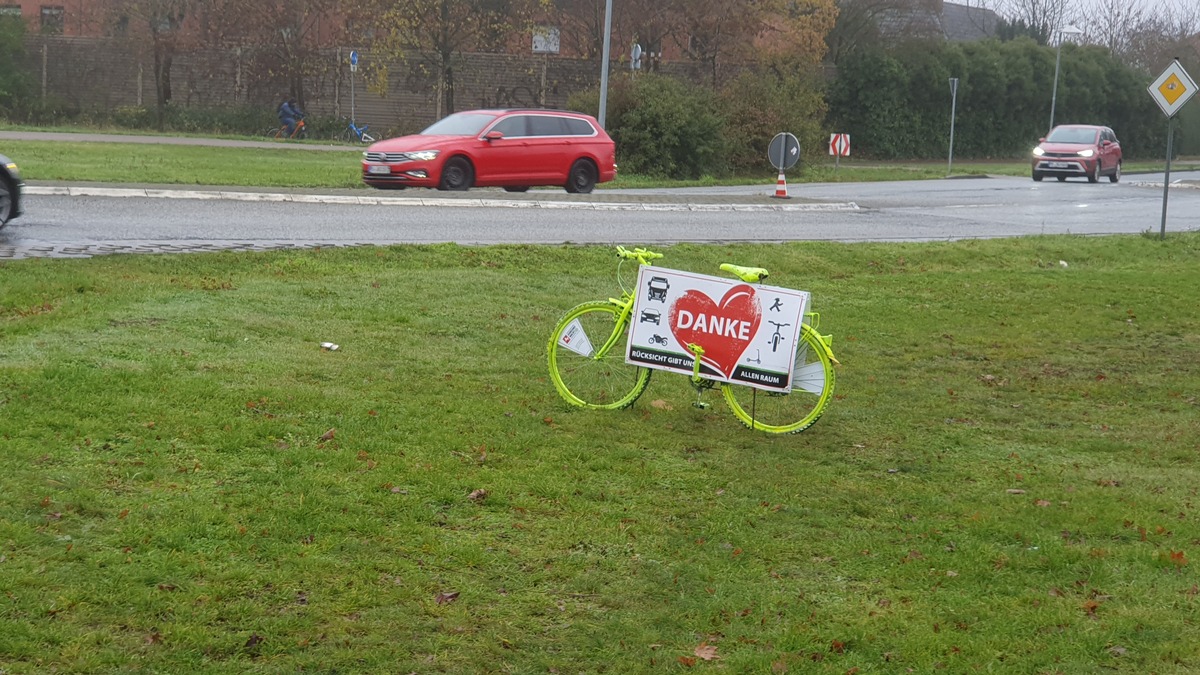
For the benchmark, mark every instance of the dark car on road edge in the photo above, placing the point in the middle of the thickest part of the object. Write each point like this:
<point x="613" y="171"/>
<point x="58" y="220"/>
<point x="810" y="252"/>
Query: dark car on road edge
<point x="10" y="190"/>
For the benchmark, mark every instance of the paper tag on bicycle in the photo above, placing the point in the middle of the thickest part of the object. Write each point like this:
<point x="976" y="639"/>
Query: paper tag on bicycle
<point x="575" y="339"/>
<point x="748" y="332"/>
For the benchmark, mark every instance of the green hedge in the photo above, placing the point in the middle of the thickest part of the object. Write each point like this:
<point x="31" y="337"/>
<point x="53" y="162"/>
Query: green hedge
<point x="897" y="104"/>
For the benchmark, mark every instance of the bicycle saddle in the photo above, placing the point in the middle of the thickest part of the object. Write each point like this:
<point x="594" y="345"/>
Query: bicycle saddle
<point x="748" y="274"/>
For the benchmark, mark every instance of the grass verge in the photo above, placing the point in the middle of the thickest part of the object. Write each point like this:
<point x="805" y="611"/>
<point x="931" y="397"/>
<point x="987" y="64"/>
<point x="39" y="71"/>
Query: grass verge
<point x="1006" y="480"/>
<point x="289" y="166"/>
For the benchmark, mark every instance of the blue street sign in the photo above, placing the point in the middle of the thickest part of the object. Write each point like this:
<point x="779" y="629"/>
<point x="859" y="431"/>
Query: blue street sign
<point x="354" y="57"/>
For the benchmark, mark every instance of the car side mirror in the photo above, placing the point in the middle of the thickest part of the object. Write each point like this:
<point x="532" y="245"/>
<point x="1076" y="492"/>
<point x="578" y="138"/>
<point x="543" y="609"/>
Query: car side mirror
<point x="1042" y="140"/>
<point x="493" y="136"/>
<point x="1105" y="143"/>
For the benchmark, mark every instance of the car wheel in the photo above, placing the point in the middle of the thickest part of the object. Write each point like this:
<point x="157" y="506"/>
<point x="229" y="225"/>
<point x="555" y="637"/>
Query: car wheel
<point x="1116" y="174"/>
<point x="1094" y="176"/>
<point x="6" y="201"/>
<point x="456" y="175"/>
<point x="582" y="178"/>
<point x="516" y="188"/>
<point x="1037" y="177"/>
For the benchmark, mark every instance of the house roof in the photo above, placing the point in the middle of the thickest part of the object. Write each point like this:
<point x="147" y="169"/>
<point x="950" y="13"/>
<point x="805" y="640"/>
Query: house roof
<point x="947" y="20"/>
<point x="963" y="22"/>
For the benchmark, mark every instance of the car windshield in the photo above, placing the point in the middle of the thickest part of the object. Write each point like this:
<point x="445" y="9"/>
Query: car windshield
<point x="1072" y="135"/>
<point x="459" y="124"/>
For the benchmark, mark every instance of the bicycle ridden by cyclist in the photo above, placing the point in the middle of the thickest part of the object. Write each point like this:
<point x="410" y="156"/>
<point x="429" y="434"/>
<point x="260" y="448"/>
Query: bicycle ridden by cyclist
<point x="289" y="113"/>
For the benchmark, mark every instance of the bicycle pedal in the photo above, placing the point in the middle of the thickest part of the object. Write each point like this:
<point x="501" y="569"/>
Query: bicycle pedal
<point x="703" y="405"/>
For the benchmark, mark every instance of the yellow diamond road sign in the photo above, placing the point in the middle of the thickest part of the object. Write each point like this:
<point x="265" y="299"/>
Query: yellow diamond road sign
<point x="1172" y="89"/>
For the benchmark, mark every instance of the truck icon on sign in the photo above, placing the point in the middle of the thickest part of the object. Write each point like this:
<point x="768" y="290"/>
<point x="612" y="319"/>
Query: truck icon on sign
<point x="658" y="287"/>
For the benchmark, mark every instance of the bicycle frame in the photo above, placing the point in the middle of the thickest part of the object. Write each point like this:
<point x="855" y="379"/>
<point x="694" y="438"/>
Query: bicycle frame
<point x="360" y="133"/>
<point x="604" y="383"/>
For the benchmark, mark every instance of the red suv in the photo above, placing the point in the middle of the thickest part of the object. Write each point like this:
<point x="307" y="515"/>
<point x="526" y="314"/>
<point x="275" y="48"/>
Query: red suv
<point x="512" y="149"/>
<point x="1078" y="150"/>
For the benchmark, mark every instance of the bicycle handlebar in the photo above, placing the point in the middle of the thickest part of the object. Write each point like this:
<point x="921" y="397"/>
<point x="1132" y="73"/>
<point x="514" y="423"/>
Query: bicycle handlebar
<point x="642" y="255"/>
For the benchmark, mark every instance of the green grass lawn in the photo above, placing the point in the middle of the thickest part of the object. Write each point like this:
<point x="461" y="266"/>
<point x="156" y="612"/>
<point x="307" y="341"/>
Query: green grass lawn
<point x="1006" y="481"/>
<point x="285" y="166"/>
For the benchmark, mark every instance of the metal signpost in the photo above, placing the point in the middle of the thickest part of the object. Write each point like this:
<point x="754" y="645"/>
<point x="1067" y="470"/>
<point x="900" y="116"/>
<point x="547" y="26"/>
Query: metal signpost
<point x="1170" y="91"/>
<point x="953" y="107"/>
<point x="353" y="70"/>
<point x="839" y="147"/>
<point x="783" y="153"/>
<point x="604" y="62"/>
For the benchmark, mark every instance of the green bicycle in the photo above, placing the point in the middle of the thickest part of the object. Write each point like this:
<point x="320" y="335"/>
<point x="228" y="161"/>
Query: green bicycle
<point x="599" y="377"/>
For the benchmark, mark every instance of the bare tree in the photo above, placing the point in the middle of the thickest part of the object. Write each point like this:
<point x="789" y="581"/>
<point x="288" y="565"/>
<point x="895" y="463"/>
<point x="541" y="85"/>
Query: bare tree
<point x="1045" y="16"/>
<point x="1112" y="24"/>
<point x="284" y="40"/>
<point x="438" y="31"/>
<point x="1172" y="32"/>
<point x="160" y="23"/>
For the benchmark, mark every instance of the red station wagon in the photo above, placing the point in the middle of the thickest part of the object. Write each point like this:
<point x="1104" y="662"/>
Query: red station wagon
<point x="512" y="149"/>
<point x="1079" y="150"/>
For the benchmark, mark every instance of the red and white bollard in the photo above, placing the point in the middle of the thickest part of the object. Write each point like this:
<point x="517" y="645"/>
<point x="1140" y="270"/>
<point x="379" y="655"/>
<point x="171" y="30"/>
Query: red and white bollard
<point x="781" y="188"/>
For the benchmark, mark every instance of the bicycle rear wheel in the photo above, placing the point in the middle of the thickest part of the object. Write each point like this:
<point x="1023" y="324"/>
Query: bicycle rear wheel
<point x="582" y="379"/>
<point x="346" y="137"/>
<point x="779" y="413"/>
<point x="272" y="133"/>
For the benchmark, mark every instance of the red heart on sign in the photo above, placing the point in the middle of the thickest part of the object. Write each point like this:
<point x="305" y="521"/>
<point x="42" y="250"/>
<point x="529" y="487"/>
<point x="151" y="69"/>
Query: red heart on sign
<point x="723" y="329"/>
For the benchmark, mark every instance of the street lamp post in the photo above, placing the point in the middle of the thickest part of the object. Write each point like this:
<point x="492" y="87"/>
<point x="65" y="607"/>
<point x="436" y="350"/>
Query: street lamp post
<point x="604" y="63"/>
<point x="1065" y="30"/>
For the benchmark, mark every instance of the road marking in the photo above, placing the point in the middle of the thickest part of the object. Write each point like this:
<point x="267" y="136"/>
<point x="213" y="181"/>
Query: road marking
<point x="89" y="191"/>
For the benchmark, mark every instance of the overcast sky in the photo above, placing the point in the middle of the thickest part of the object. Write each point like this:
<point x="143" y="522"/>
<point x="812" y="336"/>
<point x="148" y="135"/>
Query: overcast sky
<point x="1151" y="6"/>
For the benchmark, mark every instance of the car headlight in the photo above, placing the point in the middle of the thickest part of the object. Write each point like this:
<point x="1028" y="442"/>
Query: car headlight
<point x="1087" y="153"/>
<point x="1038" y="152"/>
<point x="423" y="155"/>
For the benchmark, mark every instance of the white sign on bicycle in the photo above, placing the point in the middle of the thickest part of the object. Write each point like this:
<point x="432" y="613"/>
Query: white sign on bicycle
<point x="748" y="332"/>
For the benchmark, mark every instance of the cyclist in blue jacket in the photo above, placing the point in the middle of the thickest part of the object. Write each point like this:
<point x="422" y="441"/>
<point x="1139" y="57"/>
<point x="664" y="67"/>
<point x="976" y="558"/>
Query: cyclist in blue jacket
<point x="289" y="112"/>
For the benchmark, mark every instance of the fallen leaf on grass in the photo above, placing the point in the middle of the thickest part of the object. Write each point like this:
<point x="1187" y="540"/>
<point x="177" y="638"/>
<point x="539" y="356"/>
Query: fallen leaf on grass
<point x="478" y="495"/>
<point x="1042" y="502"/>
<point x="706" y="651"/>
<point x="1015" y="491"/>
<point x="446" y="597"/>
<point x="327" y="436"/>
<point x="1117" y="650"/>
<point x="687" y="661"/>
<point x="254" y="641"/>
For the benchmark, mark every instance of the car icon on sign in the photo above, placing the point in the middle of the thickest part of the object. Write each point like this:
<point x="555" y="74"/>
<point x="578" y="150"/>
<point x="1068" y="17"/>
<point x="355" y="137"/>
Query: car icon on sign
<point x="650" y="316"/>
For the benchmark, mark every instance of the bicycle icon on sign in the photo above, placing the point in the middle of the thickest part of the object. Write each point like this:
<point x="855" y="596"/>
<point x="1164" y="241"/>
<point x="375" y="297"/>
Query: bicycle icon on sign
<point x="777" y="338"/>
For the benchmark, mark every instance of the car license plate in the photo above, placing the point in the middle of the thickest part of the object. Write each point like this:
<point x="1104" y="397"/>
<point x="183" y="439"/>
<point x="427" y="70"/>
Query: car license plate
<point x="1053" y="165"/>
<point x="378" y="168"/>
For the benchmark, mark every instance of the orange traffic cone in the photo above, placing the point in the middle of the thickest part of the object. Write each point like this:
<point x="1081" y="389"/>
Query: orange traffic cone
<point x="781" y="188"/>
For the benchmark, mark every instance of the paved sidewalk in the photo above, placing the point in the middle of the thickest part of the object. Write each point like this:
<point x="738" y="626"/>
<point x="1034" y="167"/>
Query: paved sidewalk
<point x="88" y="137"/>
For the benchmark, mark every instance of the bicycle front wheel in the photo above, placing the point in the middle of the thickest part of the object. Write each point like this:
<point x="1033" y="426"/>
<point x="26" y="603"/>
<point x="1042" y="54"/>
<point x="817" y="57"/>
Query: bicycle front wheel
<point x="779" y="413"/>
<point x="583" y="376"/>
